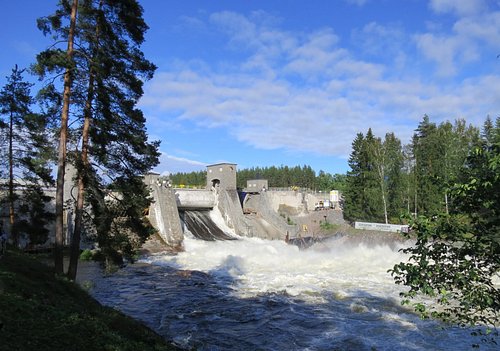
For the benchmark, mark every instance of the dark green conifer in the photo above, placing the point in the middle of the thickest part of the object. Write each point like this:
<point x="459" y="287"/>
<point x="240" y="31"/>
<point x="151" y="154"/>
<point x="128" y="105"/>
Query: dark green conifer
<point x="25" y="153"/>
<point x="111" y="150"/>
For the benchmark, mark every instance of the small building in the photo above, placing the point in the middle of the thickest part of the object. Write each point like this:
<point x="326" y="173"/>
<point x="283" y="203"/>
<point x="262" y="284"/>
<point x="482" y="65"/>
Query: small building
<point x="257" y="185"/>
<point x="151" y="178"/>
<point x="221" y="176"/>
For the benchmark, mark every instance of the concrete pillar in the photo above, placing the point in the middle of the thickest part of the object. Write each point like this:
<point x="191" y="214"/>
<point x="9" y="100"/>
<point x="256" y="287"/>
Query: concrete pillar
<point x="163" y="212"/>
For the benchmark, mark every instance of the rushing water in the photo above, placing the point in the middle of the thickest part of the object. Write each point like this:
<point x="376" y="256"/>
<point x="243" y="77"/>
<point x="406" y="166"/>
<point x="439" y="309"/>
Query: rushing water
<point x="252" y="294"/>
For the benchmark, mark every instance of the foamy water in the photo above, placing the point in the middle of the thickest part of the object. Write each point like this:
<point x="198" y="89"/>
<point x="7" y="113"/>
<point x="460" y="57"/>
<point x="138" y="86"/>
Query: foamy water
<point x="336" y="295"/>
<point x="260" y="266"/>
<point x="254" y="294"/>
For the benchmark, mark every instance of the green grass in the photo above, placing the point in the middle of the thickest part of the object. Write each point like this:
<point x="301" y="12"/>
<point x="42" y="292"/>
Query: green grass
<point x="329" y="227"/>
<point x="41" y="312"/>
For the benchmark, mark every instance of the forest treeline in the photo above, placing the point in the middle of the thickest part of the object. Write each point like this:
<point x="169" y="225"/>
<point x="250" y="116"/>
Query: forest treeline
<point x="388" y="179"/>
<point x="278" y="177"/>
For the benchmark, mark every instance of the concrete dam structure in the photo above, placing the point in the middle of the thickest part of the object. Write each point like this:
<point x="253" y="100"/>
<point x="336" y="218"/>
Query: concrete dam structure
<point x="214" y="213"/>
<point x="176" y="211"/>
<point x="220" y="212"/>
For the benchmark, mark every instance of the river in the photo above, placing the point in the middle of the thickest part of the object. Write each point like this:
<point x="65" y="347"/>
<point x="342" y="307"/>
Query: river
<point x="253" y="294"/>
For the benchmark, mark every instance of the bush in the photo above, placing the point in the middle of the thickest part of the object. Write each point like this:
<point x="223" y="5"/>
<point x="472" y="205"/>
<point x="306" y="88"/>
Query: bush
<point x="86" y="255"/>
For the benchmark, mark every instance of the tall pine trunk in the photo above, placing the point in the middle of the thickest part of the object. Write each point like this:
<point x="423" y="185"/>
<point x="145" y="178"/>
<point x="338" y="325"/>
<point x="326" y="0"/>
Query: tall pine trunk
<point x="82" y="173"/>
<point x="381" y="172"/>
<point x="84" y="167"/>
<point x="61" y="159"/>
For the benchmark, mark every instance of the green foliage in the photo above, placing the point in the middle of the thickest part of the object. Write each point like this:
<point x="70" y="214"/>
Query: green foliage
<point x="439" y="153"/>
<point x="86" y="255"/>
<point x="328" y="227"/>
<point x="117" y="223"/>
<point x="327" y="182"/>
<point x="197" y="179"/>
<point x="41" y="312"/>
<point x="354" y="196"/>
<point x="34" y="217"/>
<point x="25" y="157"/>
<point x="427" y="150"/>
<point x="108" y="70"/>
<point x="456" y="257"/>
<point x="454" y="266"/>
<point x="387" y="179"/>
<point x="372" y="178"/>
<point x="278" y="177"/>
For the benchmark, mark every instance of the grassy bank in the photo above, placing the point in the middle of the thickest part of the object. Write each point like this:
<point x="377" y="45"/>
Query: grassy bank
<point x="40" y="312"/>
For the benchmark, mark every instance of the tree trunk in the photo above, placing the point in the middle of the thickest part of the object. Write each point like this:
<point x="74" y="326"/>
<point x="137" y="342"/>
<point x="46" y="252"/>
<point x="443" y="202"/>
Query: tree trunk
<point x="385" y="206"/>
<point x="380" y="162"/>
<point x="82" y="172"/>
<point x="61" y="159"/>
<point x="446" y="202"/>
<point x="13" y="231"/>
<point x="382" y="190"/>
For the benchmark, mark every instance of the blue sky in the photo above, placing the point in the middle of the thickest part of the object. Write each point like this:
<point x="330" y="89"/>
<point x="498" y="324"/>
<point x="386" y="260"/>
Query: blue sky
<point x="268" y="82"/>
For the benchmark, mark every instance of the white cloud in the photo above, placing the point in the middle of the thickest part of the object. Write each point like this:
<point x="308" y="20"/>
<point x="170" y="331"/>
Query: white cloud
<point x="458" y="7"/>
<point x="379" y="40"/>
<point x="316" y="55"/>
<point x="441" y="49"/>
<point x="317" y="96"/>
<point x="485" y="28"/>
<point x="466" y="42"/>
<point x="173" y="164"/>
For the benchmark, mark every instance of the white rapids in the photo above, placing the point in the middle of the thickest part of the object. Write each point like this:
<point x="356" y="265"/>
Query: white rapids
<point x="339" y="290"/>
<point x="253" y="294"/>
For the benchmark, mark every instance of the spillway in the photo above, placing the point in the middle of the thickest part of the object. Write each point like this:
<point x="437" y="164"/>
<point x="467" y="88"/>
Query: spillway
<point x="202" y="225"/>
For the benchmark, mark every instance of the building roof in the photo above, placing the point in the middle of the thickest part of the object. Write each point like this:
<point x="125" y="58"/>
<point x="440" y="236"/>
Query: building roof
<point x="222" y="163"/>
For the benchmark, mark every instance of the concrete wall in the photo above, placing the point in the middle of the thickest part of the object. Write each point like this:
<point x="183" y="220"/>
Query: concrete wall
<point x="163" y="212"/>
<point x="70" y="195"/>
<point x="256" y="185"/>
<point x="228" y="203"/>
<point x="267" y="223"/>
<point x="193" y="199"/>
<point x="290" y="198"/>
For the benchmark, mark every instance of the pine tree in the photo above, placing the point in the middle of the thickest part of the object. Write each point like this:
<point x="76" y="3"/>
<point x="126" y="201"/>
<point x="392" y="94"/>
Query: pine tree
<point x="354" y="195"/>
<point x="118" y="139"/>
<point x="395" y="177"/>
<point x="111" y="150"/>
<point x="57" y="61"/>
<point x="373" y="195"/>
<point x="456" y="257"/>
<point x="378" y="158"/>
<point x="27" y="154"/>
<point x="428" y="151"/>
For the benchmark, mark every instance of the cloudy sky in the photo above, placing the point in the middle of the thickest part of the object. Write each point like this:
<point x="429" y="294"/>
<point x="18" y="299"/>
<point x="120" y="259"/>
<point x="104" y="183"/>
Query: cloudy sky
<point x="289" y="82"/>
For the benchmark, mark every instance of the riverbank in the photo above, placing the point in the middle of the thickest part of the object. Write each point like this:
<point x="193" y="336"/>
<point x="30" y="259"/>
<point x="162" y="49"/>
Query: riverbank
<point x="41" y="312"/>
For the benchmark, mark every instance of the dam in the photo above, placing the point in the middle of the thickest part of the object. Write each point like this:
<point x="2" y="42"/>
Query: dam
<point x="221" y="212"/>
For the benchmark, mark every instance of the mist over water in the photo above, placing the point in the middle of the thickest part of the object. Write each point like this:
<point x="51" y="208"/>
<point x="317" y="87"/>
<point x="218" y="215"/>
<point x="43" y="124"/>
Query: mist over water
<point x="253" y="294"/>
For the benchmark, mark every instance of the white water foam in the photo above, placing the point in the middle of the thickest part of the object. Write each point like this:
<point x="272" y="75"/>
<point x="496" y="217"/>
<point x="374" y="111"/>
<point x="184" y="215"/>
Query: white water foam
<point x="262" y="266"/>
<point x="345" y="282"/>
